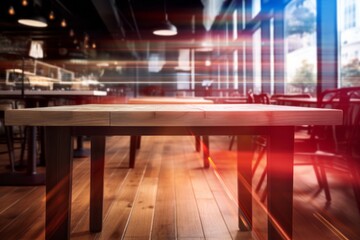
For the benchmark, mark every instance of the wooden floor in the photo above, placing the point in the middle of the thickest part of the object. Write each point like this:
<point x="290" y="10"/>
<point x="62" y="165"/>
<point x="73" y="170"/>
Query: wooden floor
<point x="168" y="195"/>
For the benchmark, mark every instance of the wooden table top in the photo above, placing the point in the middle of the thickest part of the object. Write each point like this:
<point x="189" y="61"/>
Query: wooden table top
<point x="307" y="100"/>
<point x="169" y="100"/>
<point x="53" y="93"/>
<point x="173" y="115"/>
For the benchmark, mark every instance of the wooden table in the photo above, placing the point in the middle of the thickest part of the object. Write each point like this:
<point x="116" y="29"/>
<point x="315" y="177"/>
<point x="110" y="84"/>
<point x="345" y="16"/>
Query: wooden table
<point x="229" y="99"/>
<point x="59" y="93"/>
<point x="297" y="101"/>
<point x="169" y="100"/>
<point x="243" y="120"/>
<point x="135" y="140"/>
<point x="41" y="98"/>
<point x="306" y="102"/>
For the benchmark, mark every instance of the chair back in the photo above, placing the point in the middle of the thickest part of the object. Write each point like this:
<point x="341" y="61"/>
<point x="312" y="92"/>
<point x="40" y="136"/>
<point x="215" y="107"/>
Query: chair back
<point x="300" y="95"/>
<point x="347" y="100"/>
<point x="258" y="98"/>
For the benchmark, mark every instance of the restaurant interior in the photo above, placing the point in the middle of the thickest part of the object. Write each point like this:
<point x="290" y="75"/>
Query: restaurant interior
<point x="225" y="54"/>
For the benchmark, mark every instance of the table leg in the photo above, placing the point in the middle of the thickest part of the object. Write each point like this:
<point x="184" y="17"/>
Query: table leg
<point x="206" y="146"/>
<point x="97" y="182"/>
<point x="80" y="151"/>
<point x="280" y="165"/>
<point x="197" y="143"/>
<point x="132" y="153"/>
<point x="58" y="155"/>
<point x="244" y="180"/>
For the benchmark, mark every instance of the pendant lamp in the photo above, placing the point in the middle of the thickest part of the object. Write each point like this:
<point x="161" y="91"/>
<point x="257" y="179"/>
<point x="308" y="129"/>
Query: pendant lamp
<point x="33" y="17"/>
<point x="166" y="28"/>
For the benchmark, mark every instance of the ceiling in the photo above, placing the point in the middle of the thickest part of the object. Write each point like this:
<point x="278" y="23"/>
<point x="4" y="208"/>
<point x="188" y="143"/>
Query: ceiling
<point x="110" y="24"/>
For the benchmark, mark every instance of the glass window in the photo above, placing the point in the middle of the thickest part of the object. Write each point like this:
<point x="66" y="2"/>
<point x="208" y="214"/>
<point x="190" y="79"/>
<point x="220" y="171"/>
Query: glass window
<point x="235" y="69"/>
<point x="235" y="25"/>
<point x="257" y="61"/>
<point x="300" y="40"/>
<point x="256" y="7"/>
<point x="349" y="42"/>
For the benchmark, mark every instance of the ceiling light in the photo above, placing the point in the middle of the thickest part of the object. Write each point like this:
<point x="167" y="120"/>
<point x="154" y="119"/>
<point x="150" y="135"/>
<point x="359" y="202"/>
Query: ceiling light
<point x="63" y="23"/>
<point x="11" y="10"/>
<point x="33" y="17"/>
<point x="51" y="15"/>
<point x="24" y="3"/>
<point x="166" y="28"/>
<point x="35" y="21"/>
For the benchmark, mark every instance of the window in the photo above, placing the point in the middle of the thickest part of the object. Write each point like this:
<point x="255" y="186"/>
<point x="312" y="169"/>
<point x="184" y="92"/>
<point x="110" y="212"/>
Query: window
<point x="349" y="42"/>
<point x="257" y="61"/>
<point x="349" y="14"/>
<point x="256" y="7"/>
<point x="300" y="40"/>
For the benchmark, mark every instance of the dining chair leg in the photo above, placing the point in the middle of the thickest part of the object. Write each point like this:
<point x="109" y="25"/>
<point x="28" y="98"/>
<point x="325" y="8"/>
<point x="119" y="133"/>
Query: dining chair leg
<point x="10" y="146"/>
<point x="317" y="172"/>
<point x="356" y="187"/>
<point x="324" y="180"/>
<point x="232" y="140"/>
<point x="261" y="180"/>
<point x="23" y="146"/>
<point x="355" y="180"/>
<point x="261" y="153"/>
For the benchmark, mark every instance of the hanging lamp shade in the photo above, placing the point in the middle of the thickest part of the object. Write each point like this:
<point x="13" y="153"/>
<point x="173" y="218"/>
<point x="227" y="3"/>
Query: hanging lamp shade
<point x="166" y="28"/>
<point x="33" y="18"/>
<point x="33" y="21"/>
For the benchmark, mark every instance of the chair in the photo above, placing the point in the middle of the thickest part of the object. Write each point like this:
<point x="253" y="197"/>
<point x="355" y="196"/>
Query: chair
<point x="8" y="134"/>
<point x="11" y="136"/>
<point x="258" y="98"/>
<point x="338" y="147"/>
<point x="335" y="147"/>
<point x="295" y="95"/>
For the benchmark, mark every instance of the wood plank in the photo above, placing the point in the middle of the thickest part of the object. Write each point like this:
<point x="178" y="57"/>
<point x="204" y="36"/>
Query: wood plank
<point x="187" y="214"/>
<point x="164" y="225"/>
<point x="211" y="218"/>
<point x="11" y="198"/>
<point x="140" y="222"/>
<point x="212" y="221"/>
<point x="116" y="218"/>
<point x="10" y="220"/>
